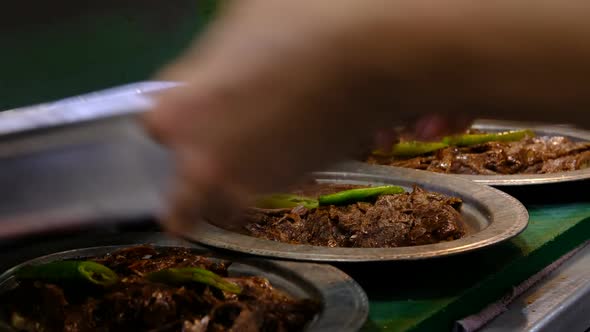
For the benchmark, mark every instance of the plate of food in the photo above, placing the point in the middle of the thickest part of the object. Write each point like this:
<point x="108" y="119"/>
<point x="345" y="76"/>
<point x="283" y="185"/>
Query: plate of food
<point x="176" y="288"/>
<point x="499" y="153"/>
<point x="369" y="214"/>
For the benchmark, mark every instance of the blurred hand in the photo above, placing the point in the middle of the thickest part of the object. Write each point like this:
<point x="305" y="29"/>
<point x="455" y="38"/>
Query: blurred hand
<point x="279" y="88"/>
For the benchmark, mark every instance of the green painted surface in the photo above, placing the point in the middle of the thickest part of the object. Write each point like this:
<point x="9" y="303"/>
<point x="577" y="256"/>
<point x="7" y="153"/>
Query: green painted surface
<point x="431" y="295"/>
<point x="60" y="48"/>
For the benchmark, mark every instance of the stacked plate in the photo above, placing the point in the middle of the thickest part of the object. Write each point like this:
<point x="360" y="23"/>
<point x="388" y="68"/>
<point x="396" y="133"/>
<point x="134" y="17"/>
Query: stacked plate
<point x="84" y="161"/>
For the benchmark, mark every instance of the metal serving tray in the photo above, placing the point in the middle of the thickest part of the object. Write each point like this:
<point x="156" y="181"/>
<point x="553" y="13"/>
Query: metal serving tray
<point x="491" y="217"/>
<point x="117" y="101"/>
<point x="80" y="162"/>
<point x="344" y="304"/>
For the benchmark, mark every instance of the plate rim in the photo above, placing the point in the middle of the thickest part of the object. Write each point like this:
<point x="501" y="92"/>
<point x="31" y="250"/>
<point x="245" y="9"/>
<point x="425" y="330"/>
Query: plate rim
<point x="336" y="313"/>
<point x="509" y="218"/>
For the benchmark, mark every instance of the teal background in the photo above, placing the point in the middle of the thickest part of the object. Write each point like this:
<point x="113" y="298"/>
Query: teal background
<point x="59" y="48"/>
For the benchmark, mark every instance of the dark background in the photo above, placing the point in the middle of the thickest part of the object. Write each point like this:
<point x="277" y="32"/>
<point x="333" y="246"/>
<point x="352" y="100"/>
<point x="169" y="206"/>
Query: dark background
<point x="59" y="48"/>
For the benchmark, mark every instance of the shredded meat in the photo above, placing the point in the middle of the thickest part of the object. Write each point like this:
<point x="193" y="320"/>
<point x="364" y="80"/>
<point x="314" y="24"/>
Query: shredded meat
<point x="136" y="304"/>
<point x="531" y="155"/>
<point x="408" y="219"/>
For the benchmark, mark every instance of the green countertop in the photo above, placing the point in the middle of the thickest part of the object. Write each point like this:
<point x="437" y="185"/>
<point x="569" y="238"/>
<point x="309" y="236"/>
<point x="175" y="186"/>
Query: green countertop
<point x="431" y="295"/>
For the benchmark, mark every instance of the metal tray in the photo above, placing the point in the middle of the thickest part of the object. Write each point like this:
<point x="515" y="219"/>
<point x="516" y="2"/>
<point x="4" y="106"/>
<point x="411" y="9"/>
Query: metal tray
<point x="491" y="217"/>
<point x="117" y="101"/>
<point x="81" y="162"/>
<point x="344" y="303"/>
<point x="526" y="179"/>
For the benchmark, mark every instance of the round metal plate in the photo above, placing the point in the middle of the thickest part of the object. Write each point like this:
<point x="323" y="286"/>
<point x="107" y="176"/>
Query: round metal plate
<point x="344" y="304"/>
<point x="491" y="216"/>
<point x="528" y="179"/>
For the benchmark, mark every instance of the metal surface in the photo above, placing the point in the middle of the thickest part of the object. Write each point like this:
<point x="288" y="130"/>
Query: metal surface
<point x="526" y="179"/>
<point x="80" y="175"/>
<point x="122" y="100"/>
<point x="560" y="302"/>
<point x="491" y="217"/>
<point x="344" y="303"/>
<point x="80" y="161"/>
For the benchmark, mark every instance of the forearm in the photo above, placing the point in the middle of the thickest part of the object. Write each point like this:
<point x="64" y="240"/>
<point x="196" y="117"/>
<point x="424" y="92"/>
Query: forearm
<point x="525" y="60"/>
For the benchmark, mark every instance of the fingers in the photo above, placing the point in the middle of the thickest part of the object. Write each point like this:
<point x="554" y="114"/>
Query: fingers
<point x="427" y="128"/>
<point x="384" y="139"/>
<point x="434" y="126"/>
<point x="202" y="195"/>
<point x="193" y="203"/>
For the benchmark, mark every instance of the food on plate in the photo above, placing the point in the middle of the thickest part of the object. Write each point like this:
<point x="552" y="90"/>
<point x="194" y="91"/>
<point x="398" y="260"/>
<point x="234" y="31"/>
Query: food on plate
<point x="336" y="215"/>
<point x="143" y="288"/>
<point x="479" y="153"/>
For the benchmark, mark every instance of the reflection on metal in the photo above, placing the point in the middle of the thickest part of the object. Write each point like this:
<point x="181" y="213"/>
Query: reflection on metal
<point x="560" y="302"/>
<point x="81" y="161"/>
<point x="117" y="101"/>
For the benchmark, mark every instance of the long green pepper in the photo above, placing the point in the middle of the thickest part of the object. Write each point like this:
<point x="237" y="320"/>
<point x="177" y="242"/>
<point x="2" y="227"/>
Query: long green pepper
<point x="85" y="271"/>
<point x="282" y="201"/>
<point x="475" y="139"/>
<point x="358" y="195"/>
<point x="416" y="148"/>
<point x="179" y="276"/>
<point x="285" y="201"/>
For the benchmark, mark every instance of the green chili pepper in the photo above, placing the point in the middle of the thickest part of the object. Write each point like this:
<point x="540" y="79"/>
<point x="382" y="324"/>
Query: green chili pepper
<point x="415" y="148"/>
<point x="193" y="274"/>
<point x="381" y="153"/>
<point x="284" y="201"/>
<point x="358" y="195"/>
<point x="474" y="139"/>
<point x="86" y="271"/>
<point x="411" y="149"/>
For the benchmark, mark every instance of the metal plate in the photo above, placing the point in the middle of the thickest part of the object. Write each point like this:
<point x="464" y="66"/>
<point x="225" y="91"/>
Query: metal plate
<point x="527" y="179"/>
<point x="532" y="179"/>
<point x="344" y="303"/>
<point x="491" y="216"/>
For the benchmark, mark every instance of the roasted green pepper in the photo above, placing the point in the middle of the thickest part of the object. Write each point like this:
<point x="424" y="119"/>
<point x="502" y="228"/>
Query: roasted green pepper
<point x="474" y="139"/>
<point x="415" y="148"/>
<point x="358" y="195"/>
<point x="285" y="201"/>
<point x="186" y="275"/>
<point x="86" y="271"/>
<point x="411" y="149"/>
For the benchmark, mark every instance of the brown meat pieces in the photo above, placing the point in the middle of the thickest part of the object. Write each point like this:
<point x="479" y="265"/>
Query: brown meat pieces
<point x="531" y="155"/>
<point x="136" y="304"/>
<point x="416" y="218"/>
<point x="146" y="259"/>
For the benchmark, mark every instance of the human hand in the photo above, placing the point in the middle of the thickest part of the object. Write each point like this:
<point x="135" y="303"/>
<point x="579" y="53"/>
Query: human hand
<point x="260" y="107"/>
<point x="279" y="88"/>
